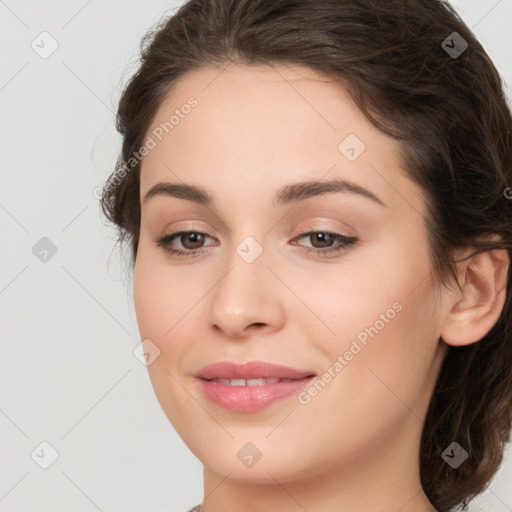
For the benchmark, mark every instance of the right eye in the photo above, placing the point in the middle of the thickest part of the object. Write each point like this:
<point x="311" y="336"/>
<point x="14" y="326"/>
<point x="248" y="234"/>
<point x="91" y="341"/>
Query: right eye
<point x="190" y="240"/>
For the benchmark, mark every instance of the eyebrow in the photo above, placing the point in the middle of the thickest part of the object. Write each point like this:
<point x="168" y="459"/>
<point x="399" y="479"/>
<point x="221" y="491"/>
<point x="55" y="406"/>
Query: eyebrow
<point x="290" y="193"/>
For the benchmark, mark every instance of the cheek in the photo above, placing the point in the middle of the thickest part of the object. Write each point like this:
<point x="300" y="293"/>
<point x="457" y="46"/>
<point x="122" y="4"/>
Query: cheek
<point x="159" y="306"/>
<point x="166" y="304"/>
<point x="156" y="290"/>
<point x="394" y="337"/>
<point x="145" y="296"/>
<point x="352" y="295"/>
<point x="381" y="312"/>
<point x="156" y="299"/>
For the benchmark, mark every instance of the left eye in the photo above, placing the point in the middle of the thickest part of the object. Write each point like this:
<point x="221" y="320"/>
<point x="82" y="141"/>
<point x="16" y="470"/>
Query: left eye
<point x="327" y="238"/>
<point x="192" y="241"/>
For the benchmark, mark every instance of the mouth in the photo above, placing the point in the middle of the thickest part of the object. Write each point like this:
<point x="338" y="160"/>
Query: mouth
<point x="252" y="386"/>
<point x="250" y="382"/>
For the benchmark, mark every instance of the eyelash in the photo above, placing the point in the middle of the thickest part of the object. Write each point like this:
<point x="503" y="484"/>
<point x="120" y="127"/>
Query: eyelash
<point x="165" y="243"/>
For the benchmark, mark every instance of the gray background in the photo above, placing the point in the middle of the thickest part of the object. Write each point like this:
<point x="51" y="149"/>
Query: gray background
<point x="68" y="330"/>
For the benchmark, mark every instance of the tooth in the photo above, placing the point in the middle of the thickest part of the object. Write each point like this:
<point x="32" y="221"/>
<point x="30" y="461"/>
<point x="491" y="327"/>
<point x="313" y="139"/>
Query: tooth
<point x="256" y="382"/>
<point x="251" y="382"/>
<point x="238" y="382"/>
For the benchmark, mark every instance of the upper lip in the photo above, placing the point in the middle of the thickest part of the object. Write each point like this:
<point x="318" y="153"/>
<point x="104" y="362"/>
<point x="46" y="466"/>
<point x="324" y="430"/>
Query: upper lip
<point x="250" y="370"/>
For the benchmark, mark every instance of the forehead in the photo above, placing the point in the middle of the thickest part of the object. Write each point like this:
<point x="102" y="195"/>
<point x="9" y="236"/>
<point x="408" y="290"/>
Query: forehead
<point x="268" y="124"/>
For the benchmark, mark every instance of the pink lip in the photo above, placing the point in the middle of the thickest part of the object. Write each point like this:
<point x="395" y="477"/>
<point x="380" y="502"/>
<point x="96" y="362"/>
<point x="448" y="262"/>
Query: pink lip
<point x="250" y="398"/>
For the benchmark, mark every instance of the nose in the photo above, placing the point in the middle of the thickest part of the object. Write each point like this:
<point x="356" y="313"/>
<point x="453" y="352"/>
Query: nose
<point x="247" y="297"/>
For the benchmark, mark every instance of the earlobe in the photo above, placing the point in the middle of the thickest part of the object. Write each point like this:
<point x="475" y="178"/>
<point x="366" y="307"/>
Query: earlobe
<point x="477" y="306"/>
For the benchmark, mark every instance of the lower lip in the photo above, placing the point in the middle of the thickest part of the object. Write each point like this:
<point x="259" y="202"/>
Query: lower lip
<point x="251" y="398"/>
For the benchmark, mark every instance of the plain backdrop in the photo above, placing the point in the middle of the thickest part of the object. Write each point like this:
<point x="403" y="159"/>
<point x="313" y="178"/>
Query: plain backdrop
<point x="73" y="396"/>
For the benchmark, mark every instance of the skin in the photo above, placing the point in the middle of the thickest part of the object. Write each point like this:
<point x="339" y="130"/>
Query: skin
<point x="355" y="445"/>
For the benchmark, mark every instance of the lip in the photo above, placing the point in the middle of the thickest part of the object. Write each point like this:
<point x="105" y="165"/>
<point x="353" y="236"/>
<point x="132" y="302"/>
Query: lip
<point x="250" y="370"/>
<point x="250" y="398"/>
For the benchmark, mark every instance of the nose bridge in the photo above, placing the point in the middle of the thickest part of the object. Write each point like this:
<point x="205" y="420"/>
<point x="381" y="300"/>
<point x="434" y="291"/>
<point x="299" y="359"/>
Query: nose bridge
<point x="247" y="265"/>
<point x="245" y="294"/>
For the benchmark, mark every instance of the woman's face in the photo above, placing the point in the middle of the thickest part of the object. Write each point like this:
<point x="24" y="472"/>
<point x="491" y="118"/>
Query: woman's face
<point x="259" y="285"/>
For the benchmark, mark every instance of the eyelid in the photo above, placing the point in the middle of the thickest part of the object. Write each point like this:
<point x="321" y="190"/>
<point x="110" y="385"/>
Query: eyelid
<point x="302" y="230"/>
<point x="322" y="228"/>
<point x="192" y="225"/>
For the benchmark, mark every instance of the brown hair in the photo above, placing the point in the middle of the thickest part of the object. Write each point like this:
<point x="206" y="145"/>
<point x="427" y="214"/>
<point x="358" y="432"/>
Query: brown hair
<point x="451" y="117"/>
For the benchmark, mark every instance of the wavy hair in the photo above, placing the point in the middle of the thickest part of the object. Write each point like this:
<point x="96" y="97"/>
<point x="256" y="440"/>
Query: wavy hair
<point x="454" y="127"/>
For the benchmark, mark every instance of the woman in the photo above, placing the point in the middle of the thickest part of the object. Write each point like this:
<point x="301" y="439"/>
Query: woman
<point x="316" y="195"/>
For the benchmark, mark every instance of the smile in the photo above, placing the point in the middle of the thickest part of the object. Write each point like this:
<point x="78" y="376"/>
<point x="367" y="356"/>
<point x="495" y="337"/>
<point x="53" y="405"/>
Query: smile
<point x="250" y="382"/>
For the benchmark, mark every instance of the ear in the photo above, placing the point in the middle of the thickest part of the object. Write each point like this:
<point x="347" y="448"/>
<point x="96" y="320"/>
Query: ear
<point x="477" y="306"/>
